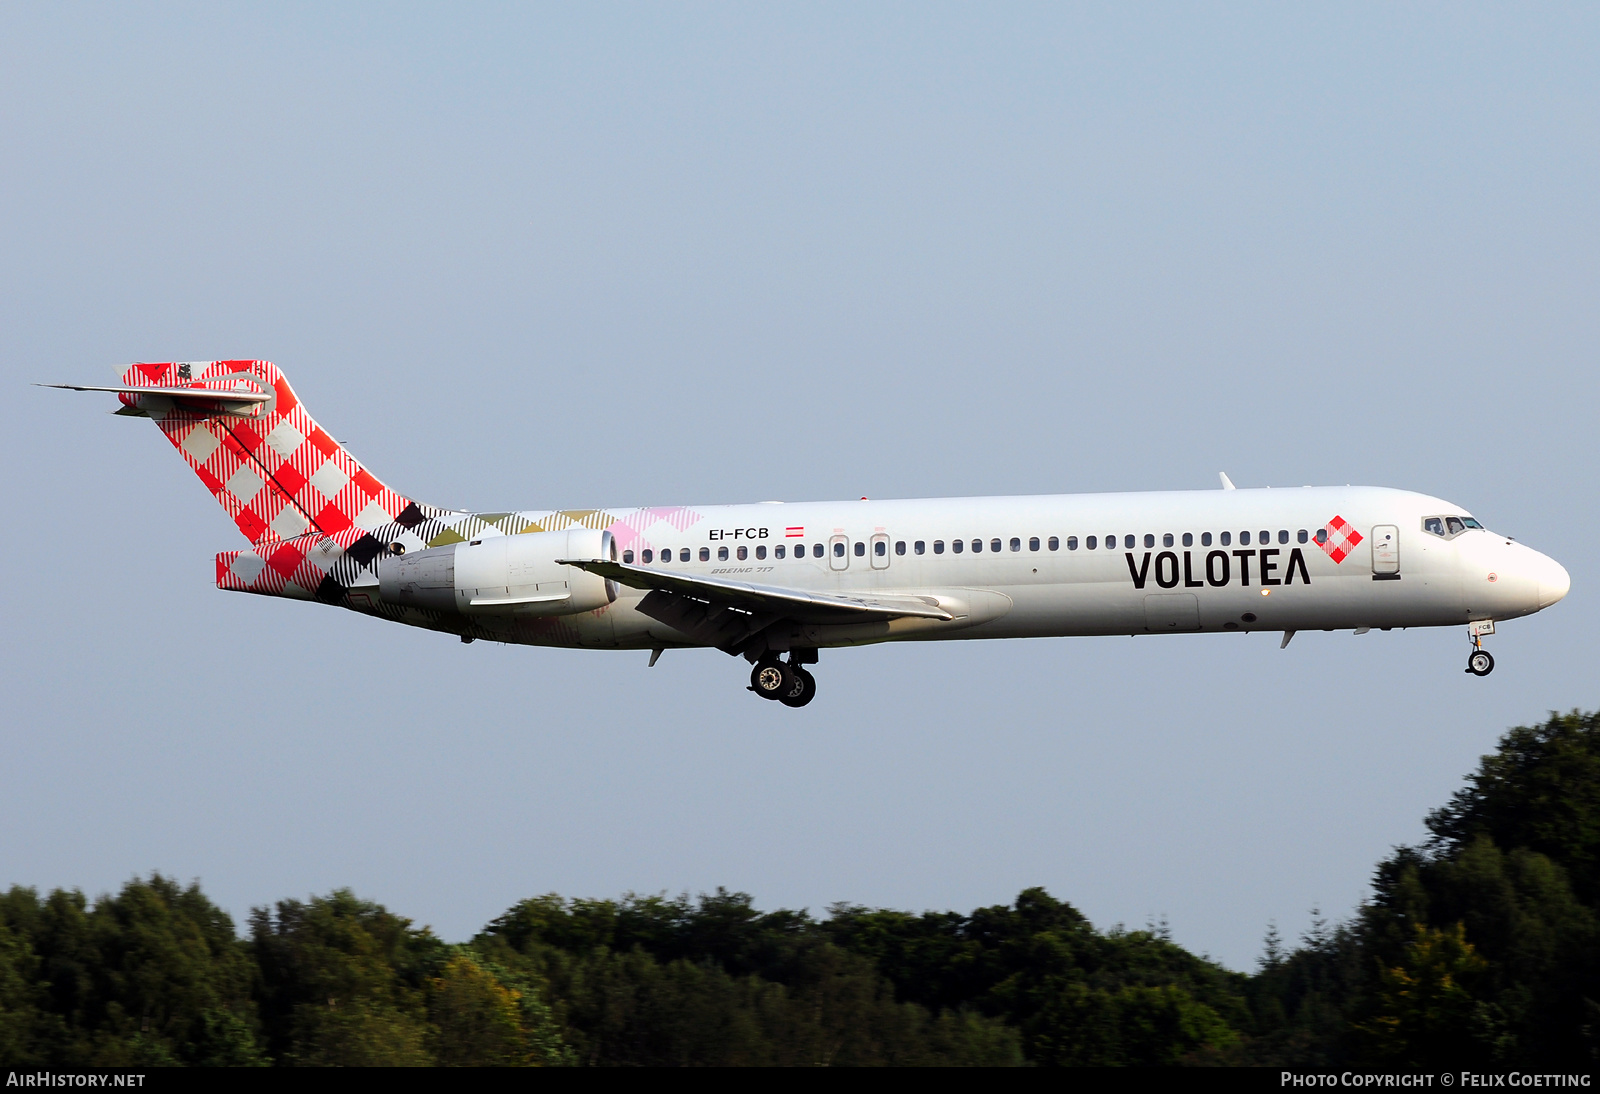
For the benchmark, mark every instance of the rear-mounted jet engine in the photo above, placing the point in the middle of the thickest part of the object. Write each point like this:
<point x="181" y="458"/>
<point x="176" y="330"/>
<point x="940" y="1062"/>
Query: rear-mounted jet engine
<point x="503" y="575"/>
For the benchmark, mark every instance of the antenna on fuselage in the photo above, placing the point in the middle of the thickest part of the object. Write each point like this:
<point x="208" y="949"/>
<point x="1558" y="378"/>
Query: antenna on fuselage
<point x="1227" y="483"/>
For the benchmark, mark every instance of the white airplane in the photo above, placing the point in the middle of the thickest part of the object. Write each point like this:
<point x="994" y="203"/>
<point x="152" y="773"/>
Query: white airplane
<point x="776" y="582"/>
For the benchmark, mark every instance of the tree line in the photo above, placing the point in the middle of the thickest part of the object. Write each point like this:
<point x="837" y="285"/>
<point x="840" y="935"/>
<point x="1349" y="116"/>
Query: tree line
<point x="1478" y="948"/>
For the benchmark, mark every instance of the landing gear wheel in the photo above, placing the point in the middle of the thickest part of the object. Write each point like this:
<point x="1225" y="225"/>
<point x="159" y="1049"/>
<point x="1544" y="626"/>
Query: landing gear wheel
<point x="771" y="679"/>
<point x="1480" y="663"/>
<point x="802" y="691"/>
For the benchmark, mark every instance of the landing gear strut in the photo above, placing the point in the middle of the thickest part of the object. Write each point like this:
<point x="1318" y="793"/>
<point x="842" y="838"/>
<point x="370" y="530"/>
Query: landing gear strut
<point x="1479" y="661"/>
<point x="788" y="682"/>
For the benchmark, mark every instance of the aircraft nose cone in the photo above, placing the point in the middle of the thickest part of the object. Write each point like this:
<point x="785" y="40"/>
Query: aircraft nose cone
<point x="1554" y="581"/>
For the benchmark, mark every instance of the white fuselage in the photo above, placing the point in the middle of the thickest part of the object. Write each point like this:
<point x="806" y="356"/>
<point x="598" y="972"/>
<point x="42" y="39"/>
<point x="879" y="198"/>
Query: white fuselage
<point x="1188" y="561"/>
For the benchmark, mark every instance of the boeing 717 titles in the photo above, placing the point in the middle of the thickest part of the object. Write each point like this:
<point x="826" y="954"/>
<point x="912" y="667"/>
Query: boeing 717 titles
<point x="775" y="583"/>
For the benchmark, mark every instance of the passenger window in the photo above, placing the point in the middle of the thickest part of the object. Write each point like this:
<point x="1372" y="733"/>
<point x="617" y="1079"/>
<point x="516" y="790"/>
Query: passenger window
<point x="1302" y="536"/>
<point x="977" y="546"/>
<point x="684" y="554"/>
<point x="1205" y="539"/>
<point x="743" y="553"/>
<point x="1266" y="537"/>
<point x="1226" y="538"/>
<point x="1434" y="525"/>
<point x="938" y="546"/>
<point x="1166" y="540"/>
<point x="780" y="551"/>
<point x="818" y="552"/>
<point x="1090" y="544"/>
<point x="1244" y="539"/>
<point x="1127" y="541"/>
<point x="627" y="556"/>
<point x="1149" y="540"/>
<point x="1033" y="543"/>
<point x="705" y="554"/>
<point x="666" y="554"/>
<point x="838" y="550"/>
<point x="1322" y="535"/>
<point x="958" y="545"/>
<point x="761" y="550"/>
<point x="1188" y="539"/>
<point x="920" y="547"/>
<point x="994" y="545"/>
<point x="899" y="546"/>
<point x="1454" y="525"/>
<point x="881" y="548"/>
<point x="1283" y="535"/>
<point x="649" y="555"/>
<point x="722" y="554"/>
<point x="861" y="550"/>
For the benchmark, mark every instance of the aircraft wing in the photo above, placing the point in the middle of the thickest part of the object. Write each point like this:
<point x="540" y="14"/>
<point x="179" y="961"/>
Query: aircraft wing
<point x="765" y="600"/>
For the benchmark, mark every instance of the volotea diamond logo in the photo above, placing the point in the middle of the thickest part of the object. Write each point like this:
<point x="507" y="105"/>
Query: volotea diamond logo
<point x="1342" y="538"/>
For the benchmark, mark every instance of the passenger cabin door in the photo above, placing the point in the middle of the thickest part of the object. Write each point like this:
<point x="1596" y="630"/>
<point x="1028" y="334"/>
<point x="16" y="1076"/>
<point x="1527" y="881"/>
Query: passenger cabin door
<point x="1385" y="551"/>
<point x="880" y="551"/>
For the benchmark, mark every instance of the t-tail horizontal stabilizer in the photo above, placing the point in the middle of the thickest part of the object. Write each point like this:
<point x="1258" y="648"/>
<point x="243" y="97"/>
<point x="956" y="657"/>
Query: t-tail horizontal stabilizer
<point x="240" y="427"/>
<point x="140" y="401"/>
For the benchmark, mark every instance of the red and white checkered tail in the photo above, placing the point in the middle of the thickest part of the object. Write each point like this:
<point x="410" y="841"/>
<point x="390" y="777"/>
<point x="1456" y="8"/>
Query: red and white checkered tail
<point x="271" y="466"/>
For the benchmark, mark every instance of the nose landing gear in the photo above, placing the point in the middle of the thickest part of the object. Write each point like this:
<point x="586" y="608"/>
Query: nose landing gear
<point x="1479" y="661"/>
<point x="789" y="683"/>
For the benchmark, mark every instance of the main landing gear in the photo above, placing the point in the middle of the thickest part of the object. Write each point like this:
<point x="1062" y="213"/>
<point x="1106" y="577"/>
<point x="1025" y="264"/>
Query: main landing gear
<point x="1479" y="661"/>
<point x="787" y="682"/>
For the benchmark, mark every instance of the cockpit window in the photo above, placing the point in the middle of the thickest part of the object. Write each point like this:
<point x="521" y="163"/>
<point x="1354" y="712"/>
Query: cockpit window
<point x="1448" y="525"/>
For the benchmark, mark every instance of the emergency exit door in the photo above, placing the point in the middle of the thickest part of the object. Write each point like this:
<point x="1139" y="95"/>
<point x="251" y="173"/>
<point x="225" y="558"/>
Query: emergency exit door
<point x="880" y="551"/>
<point x="839" y="552"/>
<point x="1385" y="551"/>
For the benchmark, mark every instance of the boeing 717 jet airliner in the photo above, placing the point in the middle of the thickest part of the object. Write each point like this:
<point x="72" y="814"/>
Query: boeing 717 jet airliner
<point x="776" y="582"/>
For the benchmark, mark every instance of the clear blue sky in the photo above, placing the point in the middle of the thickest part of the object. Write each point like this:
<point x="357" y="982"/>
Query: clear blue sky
<point x="526" y="256"/>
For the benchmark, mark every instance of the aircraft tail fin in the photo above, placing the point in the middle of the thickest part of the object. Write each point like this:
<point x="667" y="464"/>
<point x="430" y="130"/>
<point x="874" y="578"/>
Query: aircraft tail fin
<point x="276" y="471"/>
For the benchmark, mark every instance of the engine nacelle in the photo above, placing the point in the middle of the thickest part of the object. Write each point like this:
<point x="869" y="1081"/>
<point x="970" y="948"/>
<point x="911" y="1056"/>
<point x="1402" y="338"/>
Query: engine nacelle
<point x="503" y="575"/>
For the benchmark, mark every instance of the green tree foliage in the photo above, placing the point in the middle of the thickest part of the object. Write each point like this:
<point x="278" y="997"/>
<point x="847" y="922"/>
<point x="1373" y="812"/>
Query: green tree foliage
<point x="1425" y="1006"/>
<point x="652" y="981"/>
<point x="1480" y="949"/>
<point x="1540" y="790"/>
<point x="1078" y="996"/>
<point x="343" y="982"/>
<point x="154" y="975"/>
<point x="22" y="1014"/>
<point x="483" y="1014"/>
<point x="1299" y="999"/>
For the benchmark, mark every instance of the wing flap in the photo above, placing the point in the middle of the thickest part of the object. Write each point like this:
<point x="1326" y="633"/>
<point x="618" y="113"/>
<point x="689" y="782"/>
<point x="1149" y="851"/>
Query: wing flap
<point x="797" y="604"/>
